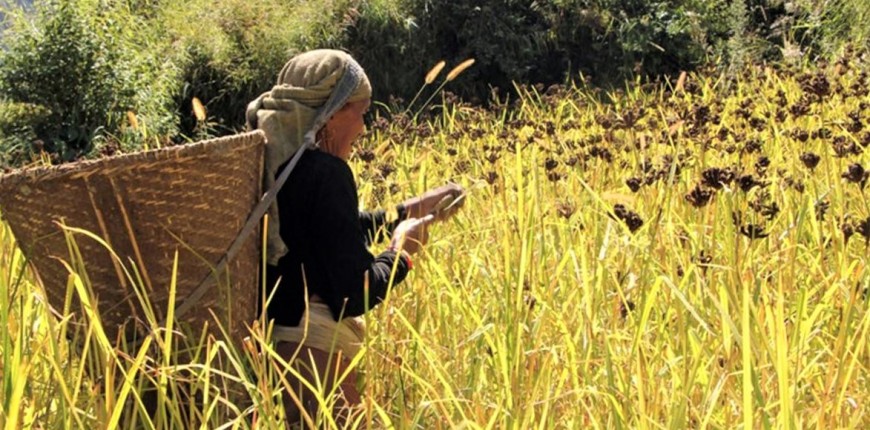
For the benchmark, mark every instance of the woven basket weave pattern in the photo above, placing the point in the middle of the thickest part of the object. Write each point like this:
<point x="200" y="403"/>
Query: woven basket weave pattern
<point x="191" y="199"/>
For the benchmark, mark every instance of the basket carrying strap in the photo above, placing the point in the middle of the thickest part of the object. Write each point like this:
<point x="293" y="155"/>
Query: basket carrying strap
<point x="343" y="90"/>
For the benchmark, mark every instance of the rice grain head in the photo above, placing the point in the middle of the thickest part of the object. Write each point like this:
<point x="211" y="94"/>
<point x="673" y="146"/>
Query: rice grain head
<point x="459" y="69"/>
<point x="198" y="109"/>
<point x="131" y="118"/>
<point x="433" y="73"/>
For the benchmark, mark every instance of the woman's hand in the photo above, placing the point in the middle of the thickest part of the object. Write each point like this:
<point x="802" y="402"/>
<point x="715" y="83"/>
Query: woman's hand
<point x="411" y="234"/>
<point x="436" y="198"/>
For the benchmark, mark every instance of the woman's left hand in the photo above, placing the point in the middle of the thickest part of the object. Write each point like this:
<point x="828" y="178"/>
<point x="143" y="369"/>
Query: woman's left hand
<point x="430" y="201"/>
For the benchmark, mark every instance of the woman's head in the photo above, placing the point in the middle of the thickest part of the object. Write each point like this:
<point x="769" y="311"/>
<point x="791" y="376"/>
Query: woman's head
<point x="312" y="78"/>
<point x="312" y="88"/>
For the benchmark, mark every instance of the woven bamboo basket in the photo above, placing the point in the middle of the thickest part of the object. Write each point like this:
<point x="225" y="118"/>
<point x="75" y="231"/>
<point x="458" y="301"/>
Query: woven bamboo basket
<point x="192" y="200"/>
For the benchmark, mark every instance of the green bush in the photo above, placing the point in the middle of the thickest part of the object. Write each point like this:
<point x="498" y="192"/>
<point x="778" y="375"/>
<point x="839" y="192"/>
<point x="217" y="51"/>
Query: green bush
<point x="91" y="67"/>
<point x="64" y="66"/>
<point x="529" y="41"/>
<point x="18" y="139"/>
<point x="397" y="43"/>
<point x="607" y="40"/>
<point x="383" y="39"/>
<point x="229" y="52"/>
<point x="613" y="40"/>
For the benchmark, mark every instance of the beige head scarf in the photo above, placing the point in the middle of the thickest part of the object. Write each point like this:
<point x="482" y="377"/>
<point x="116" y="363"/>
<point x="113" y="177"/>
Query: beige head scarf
<point x="311" y="88"/>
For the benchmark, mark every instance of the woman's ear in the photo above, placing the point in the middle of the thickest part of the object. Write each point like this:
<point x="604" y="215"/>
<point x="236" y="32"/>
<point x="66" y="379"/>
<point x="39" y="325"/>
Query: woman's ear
<point x="322" y="135"/>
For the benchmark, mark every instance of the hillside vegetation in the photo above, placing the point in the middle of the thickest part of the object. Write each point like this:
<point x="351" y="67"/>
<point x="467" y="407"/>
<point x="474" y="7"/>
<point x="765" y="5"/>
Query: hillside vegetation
<point x="82" y="78"/>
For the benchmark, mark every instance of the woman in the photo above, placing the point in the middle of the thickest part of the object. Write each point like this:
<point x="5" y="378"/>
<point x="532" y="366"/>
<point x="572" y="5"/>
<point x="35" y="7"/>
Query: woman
<point x="320" y="267"/>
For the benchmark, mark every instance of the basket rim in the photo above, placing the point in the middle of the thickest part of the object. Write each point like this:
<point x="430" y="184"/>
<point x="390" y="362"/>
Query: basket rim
<point x="130" y="159"/>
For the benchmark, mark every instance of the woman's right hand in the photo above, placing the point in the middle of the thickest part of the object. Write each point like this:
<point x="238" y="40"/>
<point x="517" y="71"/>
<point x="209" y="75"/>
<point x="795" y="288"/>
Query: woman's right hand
<point x="411" y="234"/>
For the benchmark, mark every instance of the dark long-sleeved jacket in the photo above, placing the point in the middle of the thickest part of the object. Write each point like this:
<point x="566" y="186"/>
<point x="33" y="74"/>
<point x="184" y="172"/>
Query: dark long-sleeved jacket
<point x="328" y="240"/>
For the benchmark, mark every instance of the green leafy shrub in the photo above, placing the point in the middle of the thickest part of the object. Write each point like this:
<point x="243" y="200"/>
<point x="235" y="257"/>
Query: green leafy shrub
<point x="397" y="42"/>
<point x="229" y="52"/>
<point x="607" y="40"/>
<point x="91" y="68"/>
<point x="527" y="41"/>
<point x="382" y="38"/>
<point x="18" y="139"/>
<point x="612" y="40"/>
<point x="62" y="65"/>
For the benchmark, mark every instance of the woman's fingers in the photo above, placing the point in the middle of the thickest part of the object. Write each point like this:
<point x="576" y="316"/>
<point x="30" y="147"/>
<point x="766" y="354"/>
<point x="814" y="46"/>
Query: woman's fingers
<point x="412" y="234"/>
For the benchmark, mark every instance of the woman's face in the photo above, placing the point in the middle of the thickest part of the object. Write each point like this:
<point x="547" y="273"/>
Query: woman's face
<point x="344" y="128"/>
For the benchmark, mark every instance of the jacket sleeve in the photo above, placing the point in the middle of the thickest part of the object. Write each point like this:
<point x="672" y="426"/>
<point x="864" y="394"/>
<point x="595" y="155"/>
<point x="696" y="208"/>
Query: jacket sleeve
<point x="339" y="239"/>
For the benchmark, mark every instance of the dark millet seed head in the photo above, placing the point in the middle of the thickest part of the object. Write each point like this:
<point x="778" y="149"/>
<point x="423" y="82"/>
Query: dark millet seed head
<point x="863" y="227"/>
<point x="810" y="160"/>
<point x="565" y="209"/>
<point x="551" y="164"/>
<point x="717" y="178"/>
<point x="821" y="208"/>
<point x="631" y="219"/>
<point x="761" y="165"/>
<point x="748" y="182"/>
<point x="855" y="174"/>
<point x="703" y="258"/>
<point x="554" y="176"/>
<point x="847" y="229"/>
<point x="699" y="197"/>
<point x="801" y="135"/>
<point x="753" y="231"/>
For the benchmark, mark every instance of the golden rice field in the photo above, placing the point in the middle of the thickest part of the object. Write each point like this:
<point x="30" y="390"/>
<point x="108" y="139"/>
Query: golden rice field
<point x="692" y="254"/>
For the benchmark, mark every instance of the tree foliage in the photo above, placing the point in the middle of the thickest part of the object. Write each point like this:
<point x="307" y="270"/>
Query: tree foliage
<point x="83" y="77"/>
